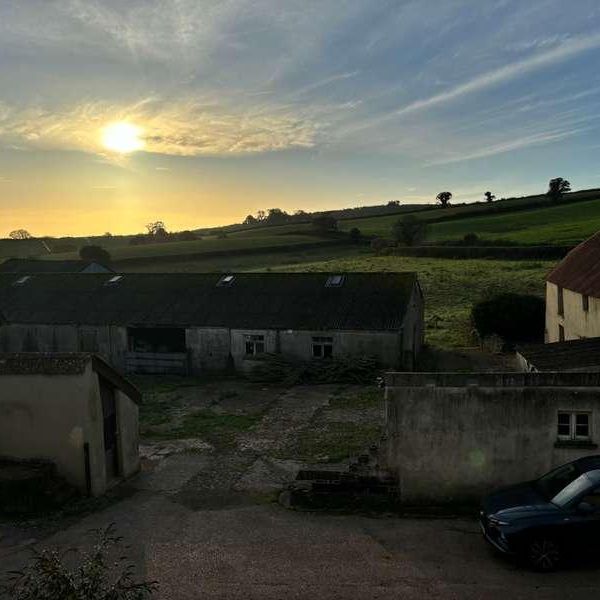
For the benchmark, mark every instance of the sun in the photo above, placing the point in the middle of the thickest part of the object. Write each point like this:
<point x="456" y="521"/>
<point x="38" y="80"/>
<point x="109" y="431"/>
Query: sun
<point x="122" y="137"/>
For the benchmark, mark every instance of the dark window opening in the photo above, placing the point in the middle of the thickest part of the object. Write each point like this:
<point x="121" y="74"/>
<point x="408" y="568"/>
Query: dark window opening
<point x="322" y="347"/>
<point x="561" y="333"/>
<point x="574" y="426"/>
<point x="255" y="344"/>
<point x="561" y="305"/>
<point x="585" y="303"/>
<point x="159" y="340"/>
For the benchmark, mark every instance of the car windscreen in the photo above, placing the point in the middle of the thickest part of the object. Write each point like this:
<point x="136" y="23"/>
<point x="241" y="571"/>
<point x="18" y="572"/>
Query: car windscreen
<point x="550" y="484"/>
<point x="573" y="490"/>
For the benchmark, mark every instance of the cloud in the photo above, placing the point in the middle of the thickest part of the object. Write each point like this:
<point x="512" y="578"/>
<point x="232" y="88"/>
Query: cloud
<point x="564" y="51"/>
<point x="181" y="128"/>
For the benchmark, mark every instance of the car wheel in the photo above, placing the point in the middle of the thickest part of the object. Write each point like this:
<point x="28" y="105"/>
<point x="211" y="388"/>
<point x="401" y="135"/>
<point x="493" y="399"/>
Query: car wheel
<point x="544" y="554"/>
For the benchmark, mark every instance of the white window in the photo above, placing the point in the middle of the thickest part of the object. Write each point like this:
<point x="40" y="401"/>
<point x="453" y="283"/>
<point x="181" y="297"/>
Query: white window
<point x="255" y="344"/>
<point x="322" y="347"/>
<point x="574" y="426"/>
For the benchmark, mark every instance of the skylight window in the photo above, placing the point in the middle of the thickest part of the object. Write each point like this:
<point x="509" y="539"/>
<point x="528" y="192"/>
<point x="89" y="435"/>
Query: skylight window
<point x="114" y="279"/>
<point x="22" y="280"/>
<point x="226" y="280"/>
<point x="335" y="281"/>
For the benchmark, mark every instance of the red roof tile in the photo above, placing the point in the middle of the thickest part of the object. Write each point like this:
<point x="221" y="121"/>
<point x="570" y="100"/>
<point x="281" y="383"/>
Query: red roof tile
<point x="579" y="271"/>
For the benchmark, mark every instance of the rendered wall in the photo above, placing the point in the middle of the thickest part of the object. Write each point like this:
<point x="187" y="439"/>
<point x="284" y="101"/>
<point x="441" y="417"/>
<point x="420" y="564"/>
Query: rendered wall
<point x="576" y="322"/>
<point x="452" y="438"/>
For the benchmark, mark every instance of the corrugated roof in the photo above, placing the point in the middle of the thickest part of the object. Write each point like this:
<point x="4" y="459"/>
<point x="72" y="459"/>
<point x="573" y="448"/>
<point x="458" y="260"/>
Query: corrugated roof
<point x="32" y="265"/>
<point x="562" y="356"/>
<point x="368" y="301"/>
<point x="579" y="271"/>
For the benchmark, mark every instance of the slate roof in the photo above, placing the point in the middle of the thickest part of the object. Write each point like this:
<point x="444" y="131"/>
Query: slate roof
<point x="64" y="363"/>
<point x="33" y="265"/>
<point x="365" y="301"/>
<point x="579" y="271"/>
<point x="563" y="356"/>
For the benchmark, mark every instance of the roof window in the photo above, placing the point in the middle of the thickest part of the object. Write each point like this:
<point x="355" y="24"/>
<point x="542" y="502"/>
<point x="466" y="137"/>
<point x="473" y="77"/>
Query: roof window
<point x="335" y="281"/>
<point x="226" y="280"/>
<point x="114" y="279"/>
<point x="22" y="280"/>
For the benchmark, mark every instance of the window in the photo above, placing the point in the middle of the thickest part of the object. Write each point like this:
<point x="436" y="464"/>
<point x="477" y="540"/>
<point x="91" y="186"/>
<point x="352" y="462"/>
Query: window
<point x="226" y="280"/>
<point x="561" y="305"/>
<point x="335" y="281"/>
<point x="561" y="333"/>
<point x="114" y="279"/>
<point x="255" y="344"/>
<point x="574" y="426"/>
<point x="22" y="280"/>
<point x="322" y="347"/>
<point x="585" y="303"/>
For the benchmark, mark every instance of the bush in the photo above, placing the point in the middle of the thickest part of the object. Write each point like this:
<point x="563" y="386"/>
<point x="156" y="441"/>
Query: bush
<point x="378" y="245"/>
<point x="409" y="230"/>
<point x="471" y="239"/>
<point x="355" y="235"/>
<point x="514" y="317"/>
<point x="95" y="254"/>
<point x="99" y="574"/>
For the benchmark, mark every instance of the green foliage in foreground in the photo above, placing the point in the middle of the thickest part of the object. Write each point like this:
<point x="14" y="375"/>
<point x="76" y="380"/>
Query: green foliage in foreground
<point x="101" y="573"/>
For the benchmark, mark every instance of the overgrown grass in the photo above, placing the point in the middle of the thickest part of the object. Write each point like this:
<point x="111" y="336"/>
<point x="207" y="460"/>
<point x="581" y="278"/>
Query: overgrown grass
<point x="357" y="399"/>
<point x="335" y="442"/>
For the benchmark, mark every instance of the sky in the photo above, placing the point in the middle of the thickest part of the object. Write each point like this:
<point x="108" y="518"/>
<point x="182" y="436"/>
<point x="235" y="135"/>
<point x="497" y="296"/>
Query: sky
<point x="241" y="105"/>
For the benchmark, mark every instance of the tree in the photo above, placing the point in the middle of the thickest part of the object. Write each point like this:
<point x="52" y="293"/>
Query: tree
<point x="261" y="215"/>
<point x="489" y="197"/>
<point x="250" y="220"/>
<point x="102" y="573"/>
<point x="355" y="235"/>
<point x="276" y="216"/>
<point x="444" y="198"/>
<point x="107" y="234"/>
<point x="393" y="203"/>
<point x="20" y="234"/>
<point x="513" y="317"/>
<point x="409" y="230"/>
<point x="95" y="254"/>
<point x="324" y="223"/>
<point x="557" y="187"/>
<point x="157" y="228"/>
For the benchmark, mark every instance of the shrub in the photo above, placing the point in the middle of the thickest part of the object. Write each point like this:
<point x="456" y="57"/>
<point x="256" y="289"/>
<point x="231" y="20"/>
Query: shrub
<point x="99" y="574"/>
<point x="94" y="253"/>
<point x="471" y="239"/>
<point x="324" y="224"/>
<point x="378" y="245"/>
<point x="355" y="235"/>
<point x="409" y="230"/>
<point x="513" y="317"/>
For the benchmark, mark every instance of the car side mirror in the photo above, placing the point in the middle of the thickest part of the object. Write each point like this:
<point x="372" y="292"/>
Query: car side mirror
<point x="585" y="508"/>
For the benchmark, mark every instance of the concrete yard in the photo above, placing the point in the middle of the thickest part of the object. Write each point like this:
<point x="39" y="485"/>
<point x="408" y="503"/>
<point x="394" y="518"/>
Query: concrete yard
<point x="200" y="518"/>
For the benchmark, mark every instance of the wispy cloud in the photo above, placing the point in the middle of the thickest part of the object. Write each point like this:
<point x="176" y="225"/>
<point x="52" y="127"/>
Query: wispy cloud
<point x="174" y="128"/>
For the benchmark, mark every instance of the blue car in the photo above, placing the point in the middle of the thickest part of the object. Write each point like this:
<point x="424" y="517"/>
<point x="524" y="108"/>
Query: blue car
<point x="545" y="520"/>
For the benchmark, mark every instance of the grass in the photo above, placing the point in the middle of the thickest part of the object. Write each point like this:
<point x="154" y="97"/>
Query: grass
<point x="451" y="287"/>
<point x="335" y="442"/>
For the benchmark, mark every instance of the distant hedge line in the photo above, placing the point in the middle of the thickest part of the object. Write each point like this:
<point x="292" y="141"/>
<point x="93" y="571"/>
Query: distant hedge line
<point x="500" y="252"/>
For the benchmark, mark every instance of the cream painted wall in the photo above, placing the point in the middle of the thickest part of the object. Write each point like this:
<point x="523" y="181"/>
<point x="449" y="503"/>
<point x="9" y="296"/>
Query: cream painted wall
<point x="577" y="323"/>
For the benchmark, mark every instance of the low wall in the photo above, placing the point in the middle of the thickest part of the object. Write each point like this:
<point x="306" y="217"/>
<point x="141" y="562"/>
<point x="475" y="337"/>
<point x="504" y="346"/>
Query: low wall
<point x="453" y="437"/>
<point x="497" y="252"/>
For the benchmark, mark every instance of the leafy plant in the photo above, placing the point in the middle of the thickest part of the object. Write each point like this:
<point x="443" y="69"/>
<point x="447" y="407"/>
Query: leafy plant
<point x="93" y="575"/>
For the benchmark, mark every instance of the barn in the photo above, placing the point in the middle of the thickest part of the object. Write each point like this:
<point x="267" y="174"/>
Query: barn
<point x="189" y="323"/>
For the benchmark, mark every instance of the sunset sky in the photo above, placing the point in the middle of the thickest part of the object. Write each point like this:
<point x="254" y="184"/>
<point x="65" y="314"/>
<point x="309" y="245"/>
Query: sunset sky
<point x="198" y="112"/>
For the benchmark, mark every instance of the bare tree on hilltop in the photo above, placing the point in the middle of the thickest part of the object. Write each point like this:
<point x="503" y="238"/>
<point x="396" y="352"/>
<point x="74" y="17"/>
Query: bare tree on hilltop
<point x="444" y="198"/>
<point x="489" y="197"/>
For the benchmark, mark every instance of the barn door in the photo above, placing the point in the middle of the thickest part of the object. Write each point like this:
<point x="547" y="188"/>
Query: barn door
<point x="109" y="414"/>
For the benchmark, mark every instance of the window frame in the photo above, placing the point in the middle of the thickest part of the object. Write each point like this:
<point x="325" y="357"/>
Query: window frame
<point x="561" y="333"/>
<point x="573" y="435"/>
<point x="254" y="344"/>
<point x="324" y="345"/>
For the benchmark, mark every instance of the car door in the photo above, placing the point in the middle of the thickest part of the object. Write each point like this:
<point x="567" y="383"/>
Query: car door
<point x="585" y="520"/>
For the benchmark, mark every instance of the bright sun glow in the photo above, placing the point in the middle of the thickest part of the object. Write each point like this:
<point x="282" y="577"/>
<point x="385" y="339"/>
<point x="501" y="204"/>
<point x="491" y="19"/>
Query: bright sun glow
<point x="122" y="137"/>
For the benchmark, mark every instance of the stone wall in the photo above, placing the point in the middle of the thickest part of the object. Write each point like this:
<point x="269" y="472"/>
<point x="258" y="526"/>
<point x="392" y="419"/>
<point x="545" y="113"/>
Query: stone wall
<point x="451" y="438"/>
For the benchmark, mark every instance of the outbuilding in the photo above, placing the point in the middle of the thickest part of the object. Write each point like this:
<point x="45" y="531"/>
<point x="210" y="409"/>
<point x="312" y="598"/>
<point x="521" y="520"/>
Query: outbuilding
<point x="73" y="410"/>
<point x="188" y="323"/>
